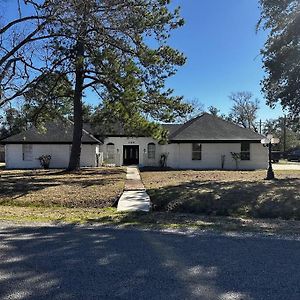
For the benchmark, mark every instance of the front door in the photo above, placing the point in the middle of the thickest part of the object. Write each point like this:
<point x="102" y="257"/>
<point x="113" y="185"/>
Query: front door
<point x="130" y="155"/>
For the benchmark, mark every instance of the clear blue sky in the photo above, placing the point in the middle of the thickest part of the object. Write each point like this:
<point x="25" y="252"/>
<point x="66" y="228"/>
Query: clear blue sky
<point x="223" y="51"/>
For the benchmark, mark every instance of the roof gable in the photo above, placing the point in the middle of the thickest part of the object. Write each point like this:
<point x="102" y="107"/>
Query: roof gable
<point x="207" y="127"/>
<point x="57" y="132"/>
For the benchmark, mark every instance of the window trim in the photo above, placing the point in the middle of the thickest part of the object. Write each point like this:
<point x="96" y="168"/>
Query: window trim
<point x="198" y="152"/>
<point x="245" y="154"/>
<point x="110" y="152"/>
<point x="153" y="151"/>
<point x="29" y="147"/>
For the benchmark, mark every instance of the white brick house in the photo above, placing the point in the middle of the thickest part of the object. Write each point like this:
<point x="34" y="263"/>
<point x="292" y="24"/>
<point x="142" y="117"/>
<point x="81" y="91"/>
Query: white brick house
<point x="205" y="142"/>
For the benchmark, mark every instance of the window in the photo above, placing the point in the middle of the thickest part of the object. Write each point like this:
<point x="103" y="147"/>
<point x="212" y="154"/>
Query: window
<point x="110" y="147"/>
<point x="245" y="151"/>
<point x="151" y="151"/>
<point x="27" y="152"/>
<point x="196" y="151"/>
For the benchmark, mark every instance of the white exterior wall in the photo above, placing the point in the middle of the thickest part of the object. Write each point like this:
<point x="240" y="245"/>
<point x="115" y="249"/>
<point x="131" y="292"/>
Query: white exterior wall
<point x="142" y="142"/>
<point x="60" y="155"/>
<point x="88" y="155"/>
<point x="180" y="156"/>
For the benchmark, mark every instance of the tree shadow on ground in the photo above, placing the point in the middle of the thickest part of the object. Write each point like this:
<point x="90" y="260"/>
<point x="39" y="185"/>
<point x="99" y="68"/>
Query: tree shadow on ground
<point x="260" y="199"/>
<point x="187" y="222"/>
<point x="76" y="262"/>
<point x="51" y="186"/>
<point x="58" y="172"/>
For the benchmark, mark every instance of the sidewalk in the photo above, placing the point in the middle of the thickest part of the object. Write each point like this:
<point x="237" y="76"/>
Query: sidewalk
<point x="134" y="197"/>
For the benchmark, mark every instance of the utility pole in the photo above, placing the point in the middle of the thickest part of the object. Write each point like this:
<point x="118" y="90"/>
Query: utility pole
<point x="284" y="133"/>
<point x="260" y="126"/>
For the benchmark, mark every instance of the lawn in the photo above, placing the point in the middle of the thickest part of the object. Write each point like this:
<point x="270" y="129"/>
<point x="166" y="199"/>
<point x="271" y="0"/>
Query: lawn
<point x="87" y="196"/>
<point x="88" y="188"/>
<point x="225" y="193"/>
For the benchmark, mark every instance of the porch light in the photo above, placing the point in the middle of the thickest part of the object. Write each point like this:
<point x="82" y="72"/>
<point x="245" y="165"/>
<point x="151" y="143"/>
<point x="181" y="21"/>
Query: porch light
<point x="269" y="141"/>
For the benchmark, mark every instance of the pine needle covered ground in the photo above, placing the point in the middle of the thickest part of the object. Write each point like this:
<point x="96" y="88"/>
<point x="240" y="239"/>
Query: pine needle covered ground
<point x="88" y="188"/>
<point x="225" y="193"/>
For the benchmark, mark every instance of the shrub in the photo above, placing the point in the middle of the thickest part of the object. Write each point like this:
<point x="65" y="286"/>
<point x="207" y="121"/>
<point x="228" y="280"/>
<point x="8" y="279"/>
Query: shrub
<point x="45" y="161"/>
<point x="237" y="158"/>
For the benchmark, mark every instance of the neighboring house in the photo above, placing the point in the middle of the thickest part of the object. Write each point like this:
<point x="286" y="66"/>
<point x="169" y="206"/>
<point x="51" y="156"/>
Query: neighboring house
<point x="24" y="149"/>
<point x="205" y="142"/>
<point x="201" y="143"/>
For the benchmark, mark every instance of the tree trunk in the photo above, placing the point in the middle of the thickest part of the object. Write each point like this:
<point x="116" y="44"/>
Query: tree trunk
<point x="74" y="163"/>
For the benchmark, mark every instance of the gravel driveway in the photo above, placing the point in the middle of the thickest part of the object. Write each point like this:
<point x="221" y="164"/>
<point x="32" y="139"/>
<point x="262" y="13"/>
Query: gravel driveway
<point x="82" y="262"/>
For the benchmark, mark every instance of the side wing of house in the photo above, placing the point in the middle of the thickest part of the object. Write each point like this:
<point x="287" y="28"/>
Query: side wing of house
<point x="208" y="142"/>
<point x="26" y="156"/>
<point x="204" y="155"/>
<point x="23" y="150"/>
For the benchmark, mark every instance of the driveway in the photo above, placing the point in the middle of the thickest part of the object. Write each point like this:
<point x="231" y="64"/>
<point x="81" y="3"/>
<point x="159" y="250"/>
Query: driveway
<point x="82" y="262"/>
<point x="288" y="166"/>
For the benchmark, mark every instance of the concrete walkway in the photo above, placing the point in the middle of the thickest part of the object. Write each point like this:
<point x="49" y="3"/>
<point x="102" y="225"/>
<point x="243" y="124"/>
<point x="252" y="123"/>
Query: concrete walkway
<point x="134" y="197"/>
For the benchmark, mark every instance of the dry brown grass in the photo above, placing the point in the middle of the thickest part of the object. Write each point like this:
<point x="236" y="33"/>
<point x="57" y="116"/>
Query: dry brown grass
<point x="86" y="188"/>
<point x="154" y="220"/>
<point x="226" y="193"/>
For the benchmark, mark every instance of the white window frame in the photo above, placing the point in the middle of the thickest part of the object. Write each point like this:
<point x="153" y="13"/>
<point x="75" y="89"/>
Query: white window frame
<point x="151" y="152"/>
<point x="245" y="154"/>
<point x="27" y="152"/>
<point x="198" y="152"/>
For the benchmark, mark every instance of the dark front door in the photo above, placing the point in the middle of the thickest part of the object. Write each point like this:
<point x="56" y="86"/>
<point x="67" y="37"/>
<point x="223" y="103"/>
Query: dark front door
<point x="130" y="155"/>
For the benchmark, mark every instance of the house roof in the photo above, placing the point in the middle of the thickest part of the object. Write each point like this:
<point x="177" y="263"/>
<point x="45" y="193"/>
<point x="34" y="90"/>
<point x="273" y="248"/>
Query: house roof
<point x="112" y="129"/>
<point x="207" y="127"/>
<point x="57" y="132"/>
<point x="117" y="130"/>
<point x="204" y="128"/>
<point x="171" y="128"/>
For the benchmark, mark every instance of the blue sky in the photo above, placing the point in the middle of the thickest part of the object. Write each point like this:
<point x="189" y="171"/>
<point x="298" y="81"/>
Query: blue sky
<point x="223" y="51"/>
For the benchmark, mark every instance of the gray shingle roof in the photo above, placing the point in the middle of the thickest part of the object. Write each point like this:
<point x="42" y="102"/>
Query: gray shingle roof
<point x="57" y="132"/>
<point x="203" y="128"/>
<point x="116" y="129"/>
<point x="171" y="127"/>
<point x="210" y="128"/>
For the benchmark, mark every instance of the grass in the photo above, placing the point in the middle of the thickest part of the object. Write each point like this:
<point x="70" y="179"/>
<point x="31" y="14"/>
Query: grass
<point x="154" y="220"/>
<point x="243" y="194"/>
<point x="88" y="188"/>
<point x="87" y="196"/>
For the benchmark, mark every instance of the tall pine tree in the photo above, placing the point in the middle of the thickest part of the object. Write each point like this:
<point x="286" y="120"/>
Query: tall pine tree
<point x="281" y="53"/>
